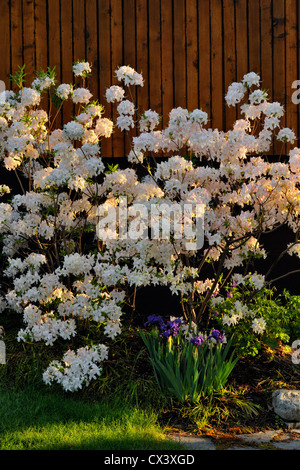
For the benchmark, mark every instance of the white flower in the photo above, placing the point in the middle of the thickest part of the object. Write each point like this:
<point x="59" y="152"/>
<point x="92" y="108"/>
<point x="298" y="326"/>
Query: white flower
<point x="274" y="109"/>
<point x="126" y="107"/>
<point x="286" y="135"/>
<point x="129" y="76"/>
<point x="42" y="83"/>
<point x="199" y="116"/>
<point x="73" y="130"/>
<point x="235" y="94"/>
<point x="63" y="91"/>
<point x="30" y="97"/>
<point x="251" y="79"/>
<point x="257" y="96"/>
<point x="77" y="368"/>
<point x="295" y="160"/>
<point x="258" y="325"/>
<point x="114" y="93"/>
<point x="81" y="95"/>
<point x="230" y="319"/>
<point x="81" y="69"/>
<point x="149" y="120"/>
<point x="104" y="127"/>
<point x="125" y="122"/>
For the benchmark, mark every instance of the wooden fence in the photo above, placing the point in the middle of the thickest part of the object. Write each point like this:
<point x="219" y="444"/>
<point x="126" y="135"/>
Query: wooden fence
<point x="189" y="51"/>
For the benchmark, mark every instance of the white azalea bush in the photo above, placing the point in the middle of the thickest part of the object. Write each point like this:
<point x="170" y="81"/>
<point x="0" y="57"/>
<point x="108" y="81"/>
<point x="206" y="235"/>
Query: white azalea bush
<point x="61" y="277"/>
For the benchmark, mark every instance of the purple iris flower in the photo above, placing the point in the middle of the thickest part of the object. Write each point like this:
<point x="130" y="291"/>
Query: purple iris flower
<point x="197" y="340"/>
<point x="218" y="335"/>
<point x="155" y="320"/>
<point x="172" y="328"/>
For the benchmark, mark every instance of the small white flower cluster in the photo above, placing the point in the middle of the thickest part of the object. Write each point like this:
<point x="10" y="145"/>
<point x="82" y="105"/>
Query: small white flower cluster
<point x="30" y="97"/>
<point x="77" y="368"/>
<point x="253" y="280"/>
<point x="114" y="93"/>
<point x="126" y="111"/>
<point x="63" y="91"/>
<point x="80" y="69"/>
<point x="241" y="312"/>
<point x="258" y="325"/>
<point x="45" y="327"/>
<point x="286" y="135"/>
<point x="129" y="76"/>
<point x="149" y="121"/>
<point x="43" y="83"/>
<point x="81" y="95"/>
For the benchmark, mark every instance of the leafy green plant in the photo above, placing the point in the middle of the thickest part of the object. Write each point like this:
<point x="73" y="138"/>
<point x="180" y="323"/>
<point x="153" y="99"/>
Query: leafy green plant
<point x="257" y="318"/>
<point x="188" y="368"/>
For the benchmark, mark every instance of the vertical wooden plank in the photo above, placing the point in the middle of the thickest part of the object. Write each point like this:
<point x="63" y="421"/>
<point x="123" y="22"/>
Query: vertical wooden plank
<point x="167" y="60"/>
<point x="67" y="55"/>
<point x="41" y="43"/>
<point x="54" y="44"/>
<point x="254" y="35"/>
<point x="217" y="75"/>
<point x="79" y="48"/>
<point x="229" y="57"/>
<point x="117" y="61"/>
<point x="241" y="38"/>
<point x="192" y="55"/>
<point x="5" y="43"/>
<point x="179" y="54"/>
<point x="92" y="47"/>
<point x="104" y="66"/>
<point x="142" y="48"/>
<point x="29" y="39"/>
<point x="241" y="41"/>
<point x="266" y="46"/>
<point x="129" y="49"/>
<point x="279" y="60"/>
<point x="54" y="36"/>
<point x="16" y="32"/>
<point x="204" y="59"/>
<point x="291" y="66"/>
<point x="41" y="40"/>
<point x="155" y="56"/>
<point x="79" y="30"/>
<point x="266" y="50"/>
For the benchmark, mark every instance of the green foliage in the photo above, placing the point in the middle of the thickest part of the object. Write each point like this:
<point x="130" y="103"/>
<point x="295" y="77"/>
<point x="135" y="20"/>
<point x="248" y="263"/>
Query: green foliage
<point x="19" y="77"/>
<point x="226" y="406"/>
<point x="112" y="168"/>
<point x="281" y="314"/>
<point x="185" y="370"/>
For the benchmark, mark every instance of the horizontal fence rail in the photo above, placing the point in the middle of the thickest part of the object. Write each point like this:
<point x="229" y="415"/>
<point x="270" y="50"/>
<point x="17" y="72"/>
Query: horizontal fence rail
<point x="188" y="51"/>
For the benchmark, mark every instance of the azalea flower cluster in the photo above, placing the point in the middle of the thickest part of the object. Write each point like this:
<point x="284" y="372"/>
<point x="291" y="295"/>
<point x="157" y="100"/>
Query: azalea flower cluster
<point x="61" y="275"/>
<point x="76" y="369"/>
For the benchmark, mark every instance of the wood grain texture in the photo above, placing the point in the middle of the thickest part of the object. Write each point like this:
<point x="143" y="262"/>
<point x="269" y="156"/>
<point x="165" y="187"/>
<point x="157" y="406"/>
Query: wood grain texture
<point x="188" y="51"/>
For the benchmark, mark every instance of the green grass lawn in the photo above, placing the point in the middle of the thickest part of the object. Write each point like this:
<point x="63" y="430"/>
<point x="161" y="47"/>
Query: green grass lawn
<point x="34" y="420"/>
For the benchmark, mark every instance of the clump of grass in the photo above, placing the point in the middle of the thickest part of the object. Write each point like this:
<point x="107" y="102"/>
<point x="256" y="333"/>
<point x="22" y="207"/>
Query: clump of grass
<point x="220" y="410"/>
